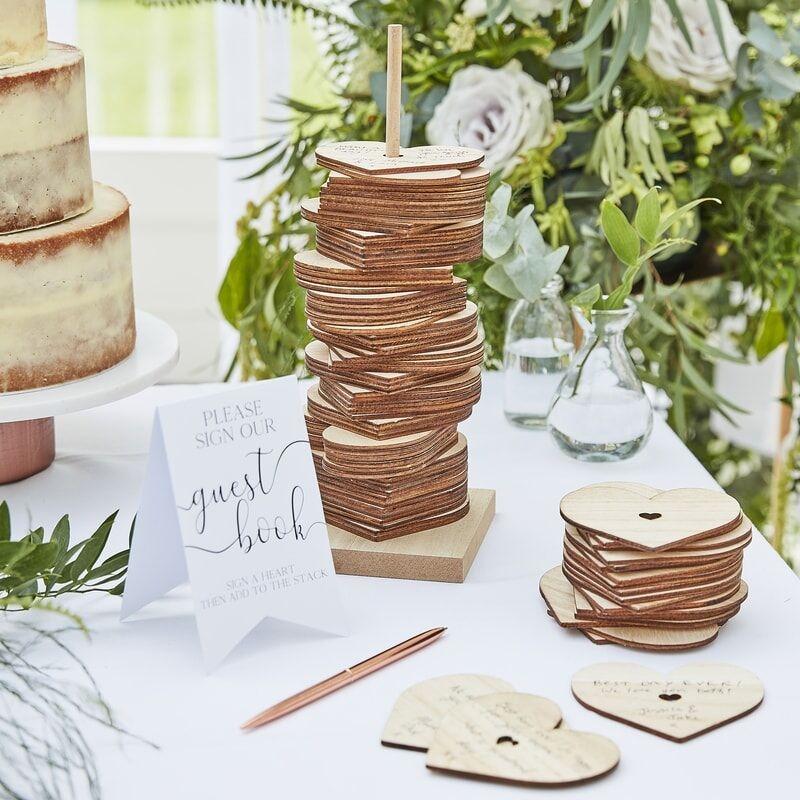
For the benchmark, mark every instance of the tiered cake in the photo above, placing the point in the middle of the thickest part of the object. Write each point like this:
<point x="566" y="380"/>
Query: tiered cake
<point x="397" y="348"/>
<point x="66" y="297"/>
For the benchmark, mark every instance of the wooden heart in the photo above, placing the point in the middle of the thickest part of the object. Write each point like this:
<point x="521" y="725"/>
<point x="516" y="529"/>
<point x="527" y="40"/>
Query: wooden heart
<point x="500" y="737"/>
<point x="652" y="523"/>
<point x="368" y="158"/>
<point x="419" y="710"/>
<point x="686" y="703"/>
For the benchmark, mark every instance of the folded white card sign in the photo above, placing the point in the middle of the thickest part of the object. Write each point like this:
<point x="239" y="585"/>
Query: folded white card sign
<point x="230" y="502"/>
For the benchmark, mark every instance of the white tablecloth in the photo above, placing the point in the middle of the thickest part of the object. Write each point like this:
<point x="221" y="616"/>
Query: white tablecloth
<point x="151" y="671"/>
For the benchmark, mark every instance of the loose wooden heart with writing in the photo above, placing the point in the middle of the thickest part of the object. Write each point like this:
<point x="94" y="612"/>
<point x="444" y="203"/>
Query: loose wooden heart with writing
<point x="369" y="158"/>
<point x="688" y="702"/>
<point x="419" y="710"/>
<point x="652" y="523"/>
<point x="500" y="737"/>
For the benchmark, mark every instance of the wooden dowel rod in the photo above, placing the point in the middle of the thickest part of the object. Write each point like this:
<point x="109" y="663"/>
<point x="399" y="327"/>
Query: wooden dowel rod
<point x="394" y="79"/>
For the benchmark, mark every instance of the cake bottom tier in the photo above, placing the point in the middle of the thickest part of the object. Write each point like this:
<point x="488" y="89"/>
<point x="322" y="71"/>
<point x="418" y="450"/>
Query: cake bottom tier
<point x="66" y="297"/>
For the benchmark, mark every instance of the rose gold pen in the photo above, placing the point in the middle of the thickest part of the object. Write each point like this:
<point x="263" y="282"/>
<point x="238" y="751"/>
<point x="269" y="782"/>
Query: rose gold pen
<point x="344" y="678"/>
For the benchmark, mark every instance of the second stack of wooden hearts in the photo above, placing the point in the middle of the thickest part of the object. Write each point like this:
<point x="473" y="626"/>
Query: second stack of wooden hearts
<point x="648" y="569"/>
<point x="397" y="348"/>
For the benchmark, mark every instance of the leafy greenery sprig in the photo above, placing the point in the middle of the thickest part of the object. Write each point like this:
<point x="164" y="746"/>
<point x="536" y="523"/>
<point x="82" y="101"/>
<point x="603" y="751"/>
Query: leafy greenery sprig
<point x="635" y="244"/>
<point x="35" y="569"/>
<point x="44" y="751"/>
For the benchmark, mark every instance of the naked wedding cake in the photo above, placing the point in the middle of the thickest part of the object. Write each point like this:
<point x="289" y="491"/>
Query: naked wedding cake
<point x="66" y="299"/>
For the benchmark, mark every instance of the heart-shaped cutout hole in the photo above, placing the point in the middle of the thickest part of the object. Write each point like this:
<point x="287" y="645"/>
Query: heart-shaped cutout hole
<point x="683" y="514"/>
<point x="500" y="737"/>
<point x="707" y="696"/>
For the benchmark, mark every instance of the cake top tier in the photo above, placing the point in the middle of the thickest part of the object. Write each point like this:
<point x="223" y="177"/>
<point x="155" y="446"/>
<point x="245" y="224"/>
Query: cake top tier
<point x="23" y="32"/>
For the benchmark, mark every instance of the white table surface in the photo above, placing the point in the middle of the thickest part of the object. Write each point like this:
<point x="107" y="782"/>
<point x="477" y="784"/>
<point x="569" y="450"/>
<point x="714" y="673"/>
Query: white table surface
<point x="151" y="671"/>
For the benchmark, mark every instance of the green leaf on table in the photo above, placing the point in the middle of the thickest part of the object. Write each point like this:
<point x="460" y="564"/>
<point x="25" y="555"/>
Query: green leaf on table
<point x="38" y="561"/>
<point x="620" y="234"/>
<point x="771" y="333"/>
<point x="648" y="215"/>
<point x="89" y="550"/>
<point x="60" y="534"/>
<point x="11" y="552"/>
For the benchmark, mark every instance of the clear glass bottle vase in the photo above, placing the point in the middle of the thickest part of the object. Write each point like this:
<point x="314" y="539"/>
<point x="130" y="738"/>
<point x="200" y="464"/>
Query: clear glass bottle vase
<point x="539" y="346"/>
<point x="600" y="412"/>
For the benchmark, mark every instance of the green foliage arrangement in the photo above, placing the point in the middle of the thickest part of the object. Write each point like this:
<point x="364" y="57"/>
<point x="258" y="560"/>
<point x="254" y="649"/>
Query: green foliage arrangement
<point x="35" y="569"/>
<point x="581" y="106"/>
<point x="44" y="752"/>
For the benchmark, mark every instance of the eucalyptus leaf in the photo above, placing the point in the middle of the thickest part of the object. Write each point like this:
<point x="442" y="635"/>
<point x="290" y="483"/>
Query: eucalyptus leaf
<point x="496" y="278"/>
<point x="763" y="37"/>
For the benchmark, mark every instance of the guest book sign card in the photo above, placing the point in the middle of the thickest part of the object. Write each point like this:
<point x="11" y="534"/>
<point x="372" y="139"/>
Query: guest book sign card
<point x="231" y="503"/>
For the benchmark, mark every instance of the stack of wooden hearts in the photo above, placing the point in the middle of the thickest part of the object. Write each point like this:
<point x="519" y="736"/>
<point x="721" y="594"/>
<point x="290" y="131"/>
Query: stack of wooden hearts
<point x="397" y="348"/>
<point x="657" y="570"/>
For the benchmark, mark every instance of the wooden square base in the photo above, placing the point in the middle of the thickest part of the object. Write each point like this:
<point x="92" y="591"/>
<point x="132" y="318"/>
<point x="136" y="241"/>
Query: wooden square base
<point x="441" y="554"/>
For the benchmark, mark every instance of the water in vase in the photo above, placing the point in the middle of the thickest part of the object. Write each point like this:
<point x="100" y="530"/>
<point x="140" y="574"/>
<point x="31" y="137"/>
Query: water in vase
<point x="534" y="368"/>
<point x="582" y="424"/>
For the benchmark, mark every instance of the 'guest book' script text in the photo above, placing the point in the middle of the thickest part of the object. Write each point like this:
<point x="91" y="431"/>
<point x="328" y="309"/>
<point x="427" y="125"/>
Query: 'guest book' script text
<point x="231" y="500"/>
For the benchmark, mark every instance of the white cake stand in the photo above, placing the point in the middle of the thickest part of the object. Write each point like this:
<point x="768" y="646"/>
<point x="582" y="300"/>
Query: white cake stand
<point x="27" y="430"/>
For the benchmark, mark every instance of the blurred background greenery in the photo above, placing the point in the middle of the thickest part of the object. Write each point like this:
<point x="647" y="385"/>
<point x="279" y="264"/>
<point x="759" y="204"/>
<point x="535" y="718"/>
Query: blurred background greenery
<point x="154" y="70"/>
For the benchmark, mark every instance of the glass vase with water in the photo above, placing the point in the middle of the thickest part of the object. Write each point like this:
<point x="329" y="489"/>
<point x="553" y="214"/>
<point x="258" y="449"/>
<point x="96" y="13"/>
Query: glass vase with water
<point x="600" y="412"/>
<point x="539" y="346"/>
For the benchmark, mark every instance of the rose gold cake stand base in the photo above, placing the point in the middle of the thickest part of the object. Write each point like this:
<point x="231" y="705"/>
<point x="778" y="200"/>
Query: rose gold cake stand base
<point x="26" y="448"/>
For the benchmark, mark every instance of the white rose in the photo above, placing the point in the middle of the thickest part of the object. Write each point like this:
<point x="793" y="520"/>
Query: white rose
<point x="703" y="67"/>
<point x="500" y="111"/>
<point x="522" y="10"/>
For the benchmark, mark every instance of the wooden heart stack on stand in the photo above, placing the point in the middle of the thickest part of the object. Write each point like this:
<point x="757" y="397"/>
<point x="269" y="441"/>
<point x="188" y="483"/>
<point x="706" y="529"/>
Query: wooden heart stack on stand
<point x="397" y="349"/>
<point x="648" y="569"/>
